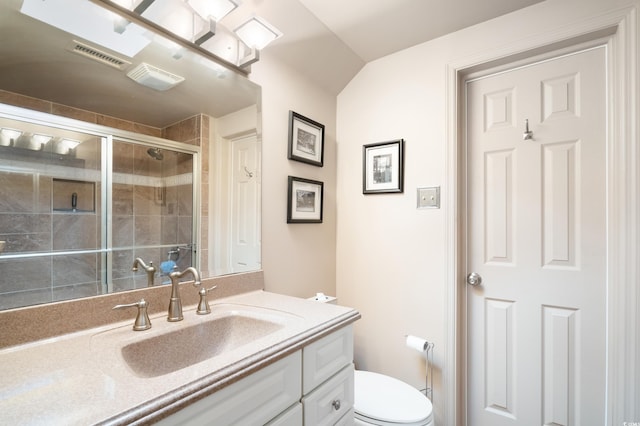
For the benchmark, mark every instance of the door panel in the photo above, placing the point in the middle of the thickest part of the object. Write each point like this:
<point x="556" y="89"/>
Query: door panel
<point x="245" y="229"/>
<point x="536" y="234"/>
<point x="499" y="206"/>
<point x="499" y="386"/>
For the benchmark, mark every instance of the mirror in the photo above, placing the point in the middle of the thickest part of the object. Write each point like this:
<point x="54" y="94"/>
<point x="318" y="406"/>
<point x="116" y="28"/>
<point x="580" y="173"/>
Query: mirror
<point x="215" y="108"/>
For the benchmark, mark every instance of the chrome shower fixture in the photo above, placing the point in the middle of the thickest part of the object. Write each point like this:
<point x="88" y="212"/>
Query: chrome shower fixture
<point x="155" y="153"/>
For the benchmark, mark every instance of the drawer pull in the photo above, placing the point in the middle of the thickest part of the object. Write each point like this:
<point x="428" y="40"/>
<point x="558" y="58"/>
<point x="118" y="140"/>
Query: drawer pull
<point x="336" y="404"/>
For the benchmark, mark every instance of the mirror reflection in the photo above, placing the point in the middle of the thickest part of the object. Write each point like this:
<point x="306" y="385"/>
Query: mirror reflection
<point x="171" y="177"/>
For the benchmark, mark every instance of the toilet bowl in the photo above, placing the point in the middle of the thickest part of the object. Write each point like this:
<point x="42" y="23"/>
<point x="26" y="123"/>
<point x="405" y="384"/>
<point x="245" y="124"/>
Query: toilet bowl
<point x="384" y="401"/>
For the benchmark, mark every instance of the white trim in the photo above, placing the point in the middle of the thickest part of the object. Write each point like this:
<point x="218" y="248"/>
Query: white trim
<point x="623" y="219"/>
<point x="623" y="254"/>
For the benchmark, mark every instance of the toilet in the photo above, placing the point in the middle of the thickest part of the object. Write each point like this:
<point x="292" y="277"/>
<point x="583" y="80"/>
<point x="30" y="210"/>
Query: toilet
<point x="385" y="401"/>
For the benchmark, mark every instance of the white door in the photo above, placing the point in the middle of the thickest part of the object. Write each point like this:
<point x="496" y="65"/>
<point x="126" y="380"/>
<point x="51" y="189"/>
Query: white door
<point x="536" y="340"/>
<point x="245" y="224"/>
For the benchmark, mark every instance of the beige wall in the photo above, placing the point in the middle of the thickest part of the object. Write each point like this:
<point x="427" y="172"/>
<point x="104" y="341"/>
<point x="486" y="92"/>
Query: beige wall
<point x="297" y="259"/>
<point x="385" y="257"/>
<point x="390" y="255"/>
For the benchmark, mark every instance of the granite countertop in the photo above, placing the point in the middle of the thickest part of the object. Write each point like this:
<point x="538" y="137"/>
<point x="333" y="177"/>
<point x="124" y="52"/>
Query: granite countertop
<point x="80" y="378"/>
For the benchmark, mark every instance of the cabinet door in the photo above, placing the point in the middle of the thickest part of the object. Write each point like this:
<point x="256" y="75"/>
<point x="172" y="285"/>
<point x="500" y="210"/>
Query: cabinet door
<point x="330" y="401"/>
<point x="254" y="400"/>
<point x="291" y="417"/>
<point x="325" y="357"/>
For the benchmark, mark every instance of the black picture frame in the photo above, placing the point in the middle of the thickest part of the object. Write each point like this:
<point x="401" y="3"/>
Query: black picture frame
<point x="304" y="200"/>
<point x="306" y="140"/>
<point x="383" y="167"/>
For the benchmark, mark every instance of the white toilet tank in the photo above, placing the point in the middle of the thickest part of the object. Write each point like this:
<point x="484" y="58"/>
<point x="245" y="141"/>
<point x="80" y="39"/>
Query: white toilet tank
<point x="384" y="400"/>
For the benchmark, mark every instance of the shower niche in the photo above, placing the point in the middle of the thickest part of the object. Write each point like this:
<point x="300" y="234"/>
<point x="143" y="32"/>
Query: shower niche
<point x="73" y="196"/>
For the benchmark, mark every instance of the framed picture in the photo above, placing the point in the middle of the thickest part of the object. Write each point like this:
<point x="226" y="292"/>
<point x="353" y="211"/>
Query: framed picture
<point x="306" y="140"/>
<point x="304" y="202"/>
<point x="382" y="167"/>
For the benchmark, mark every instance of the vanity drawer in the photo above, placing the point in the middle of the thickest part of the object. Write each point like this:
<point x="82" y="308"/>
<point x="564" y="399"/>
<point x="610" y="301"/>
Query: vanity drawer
<point x="325" y="357"/>
<point x="256" y="399"/>
<point x="334" y="399"/>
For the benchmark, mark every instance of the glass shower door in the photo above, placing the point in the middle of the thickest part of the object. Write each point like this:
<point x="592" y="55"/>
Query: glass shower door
<point x="152" y="213"/>
<point x="50" y="213"/>
<point x="76" y="210"/>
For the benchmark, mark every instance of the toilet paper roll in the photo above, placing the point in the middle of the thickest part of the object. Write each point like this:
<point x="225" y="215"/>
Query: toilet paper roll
<point x="417" y="343"/>
<point x="321" y="297"/>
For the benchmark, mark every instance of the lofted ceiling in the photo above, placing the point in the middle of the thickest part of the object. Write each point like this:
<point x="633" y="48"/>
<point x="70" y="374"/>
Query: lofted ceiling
<point x="329" y="41"/>
<point x="373" y="29"/>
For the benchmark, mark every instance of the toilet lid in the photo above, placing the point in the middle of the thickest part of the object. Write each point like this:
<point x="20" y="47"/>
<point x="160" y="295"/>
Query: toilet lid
<point x="387" y="399"/>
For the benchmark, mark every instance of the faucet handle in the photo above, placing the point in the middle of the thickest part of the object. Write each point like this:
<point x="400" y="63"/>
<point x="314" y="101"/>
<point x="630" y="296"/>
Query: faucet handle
<point x="203" y="305"/>
<point x="142" y="319"/>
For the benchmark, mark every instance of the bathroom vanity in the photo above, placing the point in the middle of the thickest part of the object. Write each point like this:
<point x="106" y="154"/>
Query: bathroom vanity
<point x="312" y="386"/>
<point x="258" y="358"/>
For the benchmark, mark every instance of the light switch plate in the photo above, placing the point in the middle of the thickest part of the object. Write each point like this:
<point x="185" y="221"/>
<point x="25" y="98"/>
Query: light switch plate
<point x="429" y="198"/>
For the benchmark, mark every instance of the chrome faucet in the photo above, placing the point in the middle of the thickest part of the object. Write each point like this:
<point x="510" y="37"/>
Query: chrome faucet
<point x="149" y="269"/>
<point x="175" y="303"/>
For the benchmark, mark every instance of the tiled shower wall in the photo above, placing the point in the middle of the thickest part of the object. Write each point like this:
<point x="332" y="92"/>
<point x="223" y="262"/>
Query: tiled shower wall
<point x="195" y="131"/>
<point x="153" y="209"/>
<point x="140" y="217"/>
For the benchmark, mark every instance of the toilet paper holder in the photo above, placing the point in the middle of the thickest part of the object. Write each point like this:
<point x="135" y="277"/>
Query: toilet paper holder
<point x="421" y="345"/>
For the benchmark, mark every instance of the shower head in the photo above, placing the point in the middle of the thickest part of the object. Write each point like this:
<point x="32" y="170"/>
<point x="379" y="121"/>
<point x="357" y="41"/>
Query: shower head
<point x="155" y="153"/>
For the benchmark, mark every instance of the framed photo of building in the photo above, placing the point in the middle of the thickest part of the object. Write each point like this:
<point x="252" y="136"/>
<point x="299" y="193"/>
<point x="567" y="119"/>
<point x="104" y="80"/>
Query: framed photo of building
<point x="306" y="140"/>
<point x="304" y="200"/>
<point x="382" y="167"/>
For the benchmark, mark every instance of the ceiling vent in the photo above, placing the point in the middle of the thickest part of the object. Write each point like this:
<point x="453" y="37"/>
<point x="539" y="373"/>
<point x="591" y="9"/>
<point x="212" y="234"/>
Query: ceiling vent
<point x="154" y="77"/>
<point x="97" y="55"/>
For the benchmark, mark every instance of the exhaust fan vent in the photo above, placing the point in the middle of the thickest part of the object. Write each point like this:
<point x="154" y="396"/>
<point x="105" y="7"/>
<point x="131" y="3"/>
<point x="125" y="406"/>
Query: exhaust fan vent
<point x="154" y="77"/>
<point x="97" y="55"/>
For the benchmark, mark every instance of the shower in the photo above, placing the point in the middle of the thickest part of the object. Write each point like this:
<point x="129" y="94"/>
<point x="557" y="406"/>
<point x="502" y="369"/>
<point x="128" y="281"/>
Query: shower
<point x="155" y="153"/>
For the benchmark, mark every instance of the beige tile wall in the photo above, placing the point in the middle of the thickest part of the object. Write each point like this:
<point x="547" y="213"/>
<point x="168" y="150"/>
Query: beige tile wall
<point x="194" y="131"/>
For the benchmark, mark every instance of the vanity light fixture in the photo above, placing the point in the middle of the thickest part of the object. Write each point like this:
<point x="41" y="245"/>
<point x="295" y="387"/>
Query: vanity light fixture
<point x="36" y="141"/>
<point x="69" y="143"/>
<point x="194" y="21"/>
<point x="65" y="146"/>
<point x="208" y="31"/>
<point x="213" y="9"/>
<point x="142" y="6"/>
<point x="257" y="33"/>
<point x="138" y="6"/>
<point x="10" y="136"/>
<point x="41" y="139"/>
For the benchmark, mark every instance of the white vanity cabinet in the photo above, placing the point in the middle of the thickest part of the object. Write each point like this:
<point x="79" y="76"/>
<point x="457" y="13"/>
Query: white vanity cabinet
<point x="291" y="417"/>
<point x="253" y="400"/>
<point x="313" y="386"/>
<point x="327" y="379"/>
